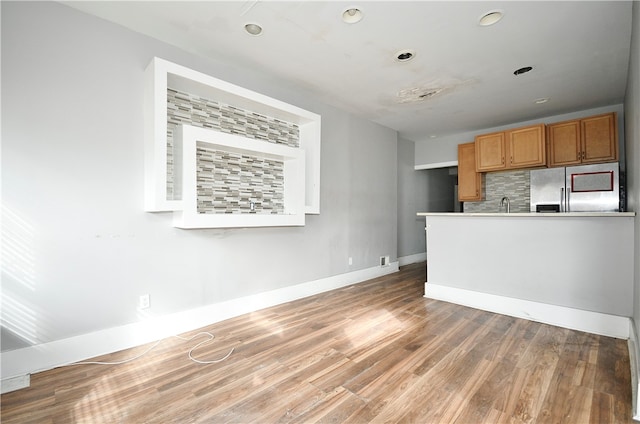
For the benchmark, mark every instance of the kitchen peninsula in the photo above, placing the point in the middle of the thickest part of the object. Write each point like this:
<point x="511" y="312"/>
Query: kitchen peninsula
<point x="572" y="269"/>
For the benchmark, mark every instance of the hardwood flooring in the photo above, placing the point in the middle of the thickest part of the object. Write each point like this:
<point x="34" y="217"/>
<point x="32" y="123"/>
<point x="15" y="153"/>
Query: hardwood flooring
<point x="373" y="352"/>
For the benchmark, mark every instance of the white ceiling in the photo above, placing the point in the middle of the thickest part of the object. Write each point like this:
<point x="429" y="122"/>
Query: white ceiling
<point x="579" y="51"/>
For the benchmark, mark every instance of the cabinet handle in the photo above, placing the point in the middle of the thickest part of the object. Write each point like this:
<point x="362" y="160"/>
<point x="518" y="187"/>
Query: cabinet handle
<point x="503" y="160"/>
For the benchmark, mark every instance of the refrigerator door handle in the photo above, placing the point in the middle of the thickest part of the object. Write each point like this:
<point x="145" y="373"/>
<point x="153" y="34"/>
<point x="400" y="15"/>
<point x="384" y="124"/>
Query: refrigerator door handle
<point x="568" y="200"/>
<point x="562" y="199"/>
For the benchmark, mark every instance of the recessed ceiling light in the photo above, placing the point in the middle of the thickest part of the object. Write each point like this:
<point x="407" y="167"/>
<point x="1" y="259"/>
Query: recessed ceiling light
<point x="405" y="55"/>
<point x="352" y="15"/>
<point x="522" y="70"/>
<point x="541" y="100"/>
<point x="253" y="29"/>
<point x="490" y="18"/>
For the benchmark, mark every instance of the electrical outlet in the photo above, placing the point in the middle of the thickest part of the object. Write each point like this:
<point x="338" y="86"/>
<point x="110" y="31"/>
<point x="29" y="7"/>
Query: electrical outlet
<point x="143" y="302"/>
<point x="350" y="260"/>
<point x="384" y="260"/>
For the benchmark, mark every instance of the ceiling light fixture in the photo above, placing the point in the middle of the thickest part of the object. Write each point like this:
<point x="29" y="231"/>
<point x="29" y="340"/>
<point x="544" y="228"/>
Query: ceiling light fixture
<point x="522" y="70"/>
<point x="405" y="55"/>
<point x="352" y="15"/>
<point x="541" y="100"/>
<point x="490" y="18"/>
<point x="253" y="29"/>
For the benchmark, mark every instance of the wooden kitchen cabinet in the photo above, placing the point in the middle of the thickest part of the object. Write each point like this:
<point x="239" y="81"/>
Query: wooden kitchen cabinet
<point x="599" y="138"/>
<point x="469" y="181"/>
<point x="564" y="147"/>
<point x="513" y="149"/>
<point x="490" y="152"/>
<point x="527" y="147"/>
<point x="588" y="140"/>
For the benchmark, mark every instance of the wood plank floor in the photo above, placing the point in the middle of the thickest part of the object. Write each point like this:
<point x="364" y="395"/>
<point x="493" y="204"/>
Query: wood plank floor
<point x="373" y="352"/>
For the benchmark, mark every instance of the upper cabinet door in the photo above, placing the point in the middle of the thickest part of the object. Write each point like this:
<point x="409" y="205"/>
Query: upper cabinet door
<point x="527" y="147"/>
<point x="490" y="152"/>
<point x="564" y="146"/>
<point x="469" y="181"/>
<point x="599" y="138"/>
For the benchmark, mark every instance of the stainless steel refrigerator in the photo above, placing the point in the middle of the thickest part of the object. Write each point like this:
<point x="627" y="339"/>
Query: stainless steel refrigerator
<point x="583" y="188"/>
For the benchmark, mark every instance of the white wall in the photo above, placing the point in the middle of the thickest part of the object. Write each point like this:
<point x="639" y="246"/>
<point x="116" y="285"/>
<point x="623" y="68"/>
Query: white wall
<point x="78" y="249"/>
<point x="445" y="149"/>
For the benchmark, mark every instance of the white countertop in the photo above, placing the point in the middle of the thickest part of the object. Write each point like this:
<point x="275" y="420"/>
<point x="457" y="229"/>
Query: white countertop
<point x="536" y="214"/>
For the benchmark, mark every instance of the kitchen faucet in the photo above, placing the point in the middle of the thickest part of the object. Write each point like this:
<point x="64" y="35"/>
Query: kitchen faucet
<point x="505" y="200"/>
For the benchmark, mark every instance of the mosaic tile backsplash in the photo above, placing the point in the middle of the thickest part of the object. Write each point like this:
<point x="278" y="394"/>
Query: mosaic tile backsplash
<point x="513" y="184"/>
<point x="235" y="183"/>
<point x="185" y="108"/>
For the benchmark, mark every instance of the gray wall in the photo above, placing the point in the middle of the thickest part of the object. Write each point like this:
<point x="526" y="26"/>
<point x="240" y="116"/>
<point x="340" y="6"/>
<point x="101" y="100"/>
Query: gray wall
<point x="412" y="198"/>
<point x="430" y="190"/>
<point x="516" y="258"/>
<point x="440" y="189"/>
<point x="78" y="249"/>
<point x="632" y="108"/>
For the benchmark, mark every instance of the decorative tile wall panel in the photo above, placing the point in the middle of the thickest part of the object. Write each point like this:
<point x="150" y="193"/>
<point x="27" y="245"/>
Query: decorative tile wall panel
<point x="236" y="183"/>
<point x="513" y="184"/>
<point x="230" y="181"/>
<point x="186" y="108"/>
<point x="232" y="119"/>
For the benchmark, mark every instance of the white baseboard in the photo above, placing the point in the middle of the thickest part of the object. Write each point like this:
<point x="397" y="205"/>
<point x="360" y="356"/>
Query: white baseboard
<point x="16" y="364"/>
<point x="561" y="316"/>
<point x="634" y="358"/>
<point x="412" y="259"/>
<point x="15" y="383"/>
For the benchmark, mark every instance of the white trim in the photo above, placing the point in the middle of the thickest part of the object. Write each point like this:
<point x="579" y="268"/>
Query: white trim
<point x="575" y="319"/>
<point x="294" y="177"/>
<point x="15" y="383"/>
<point x="161" y="73"/>
<point x="412" y="259"/>
<point x="20" y="362"/>
<point x="436" y="165"/>
<point x="634" y="359"/>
